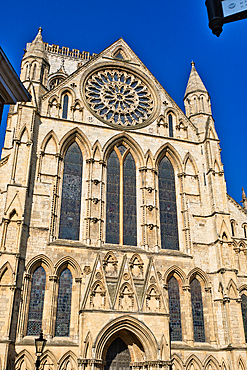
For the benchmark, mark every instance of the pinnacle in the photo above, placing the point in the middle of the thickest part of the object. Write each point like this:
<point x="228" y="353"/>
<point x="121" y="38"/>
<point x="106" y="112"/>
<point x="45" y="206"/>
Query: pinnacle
<point x="194" y="83"/>
<point x="37" y="47"/>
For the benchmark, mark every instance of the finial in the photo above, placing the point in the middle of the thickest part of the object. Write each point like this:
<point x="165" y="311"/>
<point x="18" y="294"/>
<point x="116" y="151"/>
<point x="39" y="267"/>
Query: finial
<point x="193" y="64"/>
<point x="40" y="30"/>
<point x="244" y="199"/>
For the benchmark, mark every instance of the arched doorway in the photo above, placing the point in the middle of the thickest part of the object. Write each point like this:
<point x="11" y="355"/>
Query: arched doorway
<point x="117" y="356"/>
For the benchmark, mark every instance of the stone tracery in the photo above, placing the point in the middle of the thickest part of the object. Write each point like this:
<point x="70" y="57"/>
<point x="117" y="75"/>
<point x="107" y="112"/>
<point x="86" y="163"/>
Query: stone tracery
<point x="119" y="97"/>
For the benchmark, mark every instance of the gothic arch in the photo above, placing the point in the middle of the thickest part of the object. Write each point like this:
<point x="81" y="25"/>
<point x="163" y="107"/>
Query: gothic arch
<point x="189" y="158"/>
<point x="130" y="325"/>
<point x="48" y="355"/>
<point x="193" y="360"/>
<point x="173" y="271"/>
<point x="149" y="159"/>
<point x="97" y="284"/>
<point x="136" y="150"/>
<point x="163" y="348"/>
<point x="68" y="90"/>
<point x="97" y="151"/>
<point x="51" y="134"/>
<point x="40" y="260"/>
<point x="65" y="358"/>
<point x="171" y="110"/>
<point x="6" y="269"/>
<point x="171" y="153"/>
<point x="81" y="139"/>
<point x="232" y="289"/>
<point x="243" y="289"/>
<point x="223" y="365"/>
<point x="241" y="365"/>
<point x="110" y="257"/>
<point x="177" y="363"/>
<point x="135" y="257"/>
<point x="70" y="263"/>
<point x="52" y="98"/>
<point x="23" y="135"/>
<point x="22" y="356"/>
<point x="88" y="344"/>
<point x="211" y="360"/>
<point x="120" y="50"/>
<point x="200" y="275"/>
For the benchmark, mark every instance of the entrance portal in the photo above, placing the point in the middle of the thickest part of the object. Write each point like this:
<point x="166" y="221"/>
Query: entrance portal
<point x="118" y="356"/>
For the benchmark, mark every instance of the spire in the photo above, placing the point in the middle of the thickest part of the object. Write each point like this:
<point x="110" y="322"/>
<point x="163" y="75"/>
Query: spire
<point x="244" y="199"/>
<point x="37" y="47"/>
<point x="194" y="83"/>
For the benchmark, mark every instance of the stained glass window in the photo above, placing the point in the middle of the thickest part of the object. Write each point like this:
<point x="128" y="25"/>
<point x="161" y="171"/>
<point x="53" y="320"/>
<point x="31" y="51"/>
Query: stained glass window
<point x="174" y="309"/>
<point x="168" y="207"/>
<point x="112" y="199"/>
<point x="170" y="125"/>
<point x="197" y="311"/>
<point x="129" y="201"/>
<point x="62" y="328"/>
<point x="244" y="314"/>
<point x="36" y="305"/>
<point x="121" y="189"/>
<point x="71" y="194"/>
<point x="65" y="106"/>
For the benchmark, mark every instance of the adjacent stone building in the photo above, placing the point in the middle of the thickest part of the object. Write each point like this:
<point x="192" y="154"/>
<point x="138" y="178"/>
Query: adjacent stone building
<point x="116" y="223"/>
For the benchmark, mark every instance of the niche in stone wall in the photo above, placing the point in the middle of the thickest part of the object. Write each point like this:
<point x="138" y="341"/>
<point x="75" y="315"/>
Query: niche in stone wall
<point x="22" y="159"/>
<point x="49" y="161"/>
<point x="191" y="178"/>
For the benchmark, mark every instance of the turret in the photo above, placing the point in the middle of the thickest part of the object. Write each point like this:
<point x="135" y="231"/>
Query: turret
<point x="197" y="100"/>
<point x="244" y="199"/>
<point x="35" y="66"/>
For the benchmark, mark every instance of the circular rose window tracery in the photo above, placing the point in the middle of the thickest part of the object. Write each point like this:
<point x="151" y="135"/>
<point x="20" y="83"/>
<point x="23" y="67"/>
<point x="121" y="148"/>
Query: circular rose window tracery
<point x="119" y="97"/>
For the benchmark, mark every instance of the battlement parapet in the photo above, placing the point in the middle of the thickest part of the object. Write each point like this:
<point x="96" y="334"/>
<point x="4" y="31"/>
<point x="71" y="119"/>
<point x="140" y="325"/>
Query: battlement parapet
<point x="74" y="53"/>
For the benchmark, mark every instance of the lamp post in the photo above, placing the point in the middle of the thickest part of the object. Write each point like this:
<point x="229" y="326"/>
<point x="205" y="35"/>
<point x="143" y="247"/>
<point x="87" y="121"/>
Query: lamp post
<point x="39" y="345"/>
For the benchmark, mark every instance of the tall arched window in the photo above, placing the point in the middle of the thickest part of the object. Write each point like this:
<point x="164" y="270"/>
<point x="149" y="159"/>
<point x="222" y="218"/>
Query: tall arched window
<point x="168" y="207"/>
<point x="71" y="194"/>
<point x="233" y="228"/>
<point x="62" y="328"/>
<point x="170" y="125"/>
<point x="197" y="311"/>
<point x="121" y="197"/>
<point x="65" y="106"/>
<point x="174" y="309"/>
<point x="34" y="72"/>
<point x="244" y="313"/>
<point x="36" y="304"/>
<point x="245" y="231"/>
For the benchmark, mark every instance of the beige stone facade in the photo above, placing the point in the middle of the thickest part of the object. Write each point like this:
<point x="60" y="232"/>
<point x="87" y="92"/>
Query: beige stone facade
<point x="118" y="291"/>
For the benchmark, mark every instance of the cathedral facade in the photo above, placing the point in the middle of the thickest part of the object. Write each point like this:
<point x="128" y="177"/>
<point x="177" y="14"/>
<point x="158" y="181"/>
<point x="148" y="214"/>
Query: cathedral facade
<point x="118" y="238"/>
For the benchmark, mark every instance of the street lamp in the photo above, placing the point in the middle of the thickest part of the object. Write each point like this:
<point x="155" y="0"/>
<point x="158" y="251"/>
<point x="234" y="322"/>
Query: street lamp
<point x="39" y="345"/>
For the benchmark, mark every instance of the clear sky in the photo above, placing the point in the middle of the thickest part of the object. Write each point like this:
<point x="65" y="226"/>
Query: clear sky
<point x="166" y="36"/>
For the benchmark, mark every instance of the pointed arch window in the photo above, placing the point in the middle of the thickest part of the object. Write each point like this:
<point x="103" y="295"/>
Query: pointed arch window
<point x="36" y="305"/>
<point x="34" y="72"/>
<point x="65" y="106"/>
<point x="174" y="309"/>
<point x="170" y="125"/>
<point x="233" y="228"/>
<point x="62" y="328"/>
<point x="245" y="231"/>
<point x="244" y="313"/>
<point x="197" y="311"/>
<point x="71" y="194"/>
<point x="121" y="197"/>
<point x="168" y="207"/>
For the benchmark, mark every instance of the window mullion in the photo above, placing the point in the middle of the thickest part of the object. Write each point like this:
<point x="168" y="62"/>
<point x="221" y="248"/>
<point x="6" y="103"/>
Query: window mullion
<point x="121" y="202"/>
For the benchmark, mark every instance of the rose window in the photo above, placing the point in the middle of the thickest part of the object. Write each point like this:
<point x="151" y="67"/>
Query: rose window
<point x="119" y="97"/>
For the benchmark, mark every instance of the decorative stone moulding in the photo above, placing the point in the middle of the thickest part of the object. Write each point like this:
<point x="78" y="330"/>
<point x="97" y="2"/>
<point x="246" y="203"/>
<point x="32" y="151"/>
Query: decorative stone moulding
<point x="120" y="97"/>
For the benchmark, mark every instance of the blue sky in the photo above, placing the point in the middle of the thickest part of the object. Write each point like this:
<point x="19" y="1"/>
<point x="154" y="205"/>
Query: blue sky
<point x="166" y="36"/>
